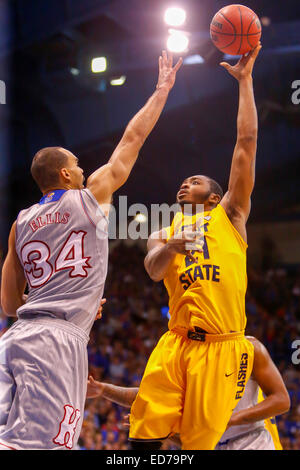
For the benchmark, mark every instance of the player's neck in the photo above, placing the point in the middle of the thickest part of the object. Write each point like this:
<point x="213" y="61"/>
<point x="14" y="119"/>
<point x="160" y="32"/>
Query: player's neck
<point x="56" y="188"/>
<point x="192" y="209"/>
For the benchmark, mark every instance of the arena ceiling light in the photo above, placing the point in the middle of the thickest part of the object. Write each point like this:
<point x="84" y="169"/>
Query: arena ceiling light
<point x="194" y="59"/>
<point x="99" y="64"/>
<point x="118" y="81"/>
<point x="74" y="71"/>
<point x="178" y="41"/>
<point x="175" y="16"/>
<point x="140" y="218"/>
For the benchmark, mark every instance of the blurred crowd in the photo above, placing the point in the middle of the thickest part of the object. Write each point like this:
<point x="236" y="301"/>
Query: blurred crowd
<point x="136" y="315"/>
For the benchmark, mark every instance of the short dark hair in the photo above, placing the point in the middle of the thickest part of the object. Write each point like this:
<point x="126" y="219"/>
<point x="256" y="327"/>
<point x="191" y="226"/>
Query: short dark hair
<point x="215" y="188"/>
<point x="46" y="165"/>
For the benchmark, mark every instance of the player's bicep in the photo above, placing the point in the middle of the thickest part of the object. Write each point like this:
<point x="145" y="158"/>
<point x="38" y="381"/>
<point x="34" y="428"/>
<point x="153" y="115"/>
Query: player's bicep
<point x="110" y="177"/>
<point x="156" y="241"/>
<point x="100" y="183"/>
<point x="241" y="182"/>
<point x="266" y="373"/>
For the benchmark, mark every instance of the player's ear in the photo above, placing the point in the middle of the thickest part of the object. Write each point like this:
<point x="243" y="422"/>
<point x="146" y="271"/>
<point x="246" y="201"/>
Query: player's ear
<point x="65" y="174"/>
<point x="214" y="198"/>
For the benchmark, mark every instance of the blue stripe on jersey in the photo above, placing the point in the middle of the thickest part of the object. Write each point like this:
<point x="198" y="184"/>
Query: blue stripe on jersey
<point x="53" y="196"/>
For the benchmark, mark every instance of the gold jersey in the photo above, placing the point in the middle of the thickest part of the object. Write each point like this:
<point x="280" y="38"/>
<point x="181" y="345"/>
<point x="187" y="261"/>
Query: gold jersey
<point x="209" y="293"/>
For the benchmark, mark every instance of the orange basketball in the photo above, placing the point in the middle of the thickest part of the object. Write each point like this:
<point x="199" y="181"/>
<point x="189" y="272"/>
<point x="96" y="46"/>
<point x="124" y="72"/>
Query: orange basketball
<point x="235" y="30"/>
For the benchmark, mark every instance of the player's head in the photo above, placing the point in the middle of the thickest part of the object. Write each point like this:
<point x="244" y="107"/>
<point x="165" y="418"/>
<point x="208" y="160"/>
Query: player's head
<point x="200" y="189"/>
<point x="56" y="168"/>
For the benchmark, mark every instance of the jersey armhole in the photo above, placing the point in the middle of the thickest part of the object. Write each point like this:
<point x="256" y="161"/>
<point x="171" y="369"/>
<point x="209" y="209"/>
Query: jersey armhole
<point x="95" y="202"/>
<point x="236" y="233"/>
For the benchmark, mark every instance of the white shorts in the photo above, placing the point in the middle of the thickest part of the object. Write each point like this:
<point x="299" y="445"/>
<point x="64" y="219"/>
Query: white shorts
<point x="43" y="380"/>
<point x="259" y="439"/>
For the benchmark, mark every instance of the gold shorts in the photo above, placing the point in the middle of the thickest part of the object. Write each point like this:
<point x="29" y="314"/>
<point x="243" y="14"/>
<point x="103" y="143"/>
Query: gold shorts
<point x="191" y="387"/>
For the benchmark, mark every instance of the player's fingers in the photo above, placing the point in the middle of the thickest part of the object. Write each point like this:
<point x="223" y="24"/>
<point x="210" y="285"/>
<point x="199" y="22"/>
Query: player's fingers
<point x="164" y="56"/>
<point x="254" y="53"/>
<point x="103" y="301"/>
<point x="170" y="60"/>
<point x="178" y="65"/>
<point x="160" y="60"/>
<point x="225" y="65"/>
<point x="189" y="236"/>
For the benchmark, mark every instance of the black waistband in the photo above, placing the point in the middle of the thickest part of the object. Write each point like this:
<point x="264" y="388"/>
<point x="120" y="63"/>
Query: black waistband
<point x="197" y="335"/>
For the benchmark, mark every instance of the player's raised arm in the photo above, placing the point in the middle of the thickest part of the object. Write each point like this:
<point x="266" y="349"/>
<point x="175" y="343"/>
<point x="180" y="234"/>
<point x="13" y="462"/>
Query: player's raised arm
<point x="236" y="201"/>
<point x="107" y="179"/>
<point x="268" y="377"/>
<point x="13" y="280"/>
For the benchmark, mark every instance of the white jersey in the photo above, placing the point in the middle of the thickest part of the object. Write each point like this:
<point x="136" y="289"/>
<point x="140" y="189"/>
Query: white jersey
<point x="249" y="399"/>
<point x="62" y="243"/>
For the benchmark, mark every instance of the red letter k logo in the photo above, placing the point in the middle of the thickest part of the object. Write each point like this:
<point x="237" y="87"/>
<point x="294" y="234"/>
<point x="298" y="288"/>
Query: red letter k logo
<point x="67" y="427"/>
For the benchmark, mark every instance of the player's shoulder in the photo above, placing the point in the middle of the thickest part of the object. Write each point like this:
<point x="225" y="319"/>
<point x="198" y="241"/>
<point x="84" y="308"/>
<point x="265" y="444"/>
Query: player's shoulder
<point x="253" y="340"/>
<point x="26" y="212"/>
<point x="259" y="349"/>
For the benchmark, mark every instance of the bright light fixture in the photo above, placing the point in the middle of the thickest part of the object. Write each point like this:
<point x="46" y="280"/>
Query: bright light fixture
<point x="99" y="64"/>
<point x="140" y="218"/>
<point x="74" y="71"/>
<point x="175" y="16"/>
<point x="193" y="59"/>
<point x="118" y="81"/>
<point x="178" y="41"/>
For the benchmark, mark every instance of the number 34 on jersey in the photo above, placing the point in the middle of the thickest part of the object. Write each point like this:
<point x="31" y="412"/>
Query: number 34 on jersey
<point x="36" y="255"/>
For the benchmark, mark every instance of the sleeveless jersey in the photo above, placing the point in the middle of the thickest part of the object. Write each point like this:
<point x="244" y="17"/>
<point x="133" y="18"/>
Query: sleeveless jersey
<point x="249" y="399"/>
<point x="209" y="293"/>
<point x="62" y="244"/>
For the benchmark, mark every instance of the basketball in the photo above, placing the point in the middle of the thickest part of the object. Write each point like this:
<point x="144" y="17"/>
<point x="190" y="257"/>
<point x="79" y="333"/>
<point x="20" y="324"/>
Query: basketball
<point x="235" y="30"/>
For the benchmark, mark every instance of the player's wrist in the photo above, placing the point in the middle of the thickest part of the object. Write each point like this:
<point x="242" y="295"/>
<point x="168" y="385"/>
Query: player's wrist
<point x="163" y="88"/>
<point x="246" y="78"/>
<point x="170" y="248"/>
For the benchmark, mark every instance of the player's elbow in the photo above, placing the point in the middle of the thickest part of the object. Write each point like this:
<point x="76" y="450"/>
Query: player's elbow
<point x="155" y="277"/>
<point x="248" y="134"/>
<point x="153" y="274"/>
<point x="283" y="403"/>
<point x="7" y="308"/>
<point x="286" y="403"/>
<point x="247" y="140"/>
<point x="134" y="137"/>
<point x="9" y="302"/>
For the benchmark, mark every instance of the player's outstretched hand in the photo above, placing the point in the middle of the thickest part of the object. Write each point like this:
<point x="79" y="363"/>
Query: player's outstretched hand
<point x="167" y="73"/>
<point x="94" y="388"/>
<point x="245" y="65"/>
<point x="125" y="422"/>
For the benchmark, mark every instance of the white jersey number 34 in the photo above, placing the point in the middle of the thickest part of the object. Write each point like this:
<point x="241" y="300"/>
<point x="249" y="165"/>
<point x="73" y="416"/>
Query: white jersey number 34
<point x="36" y="254"/>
